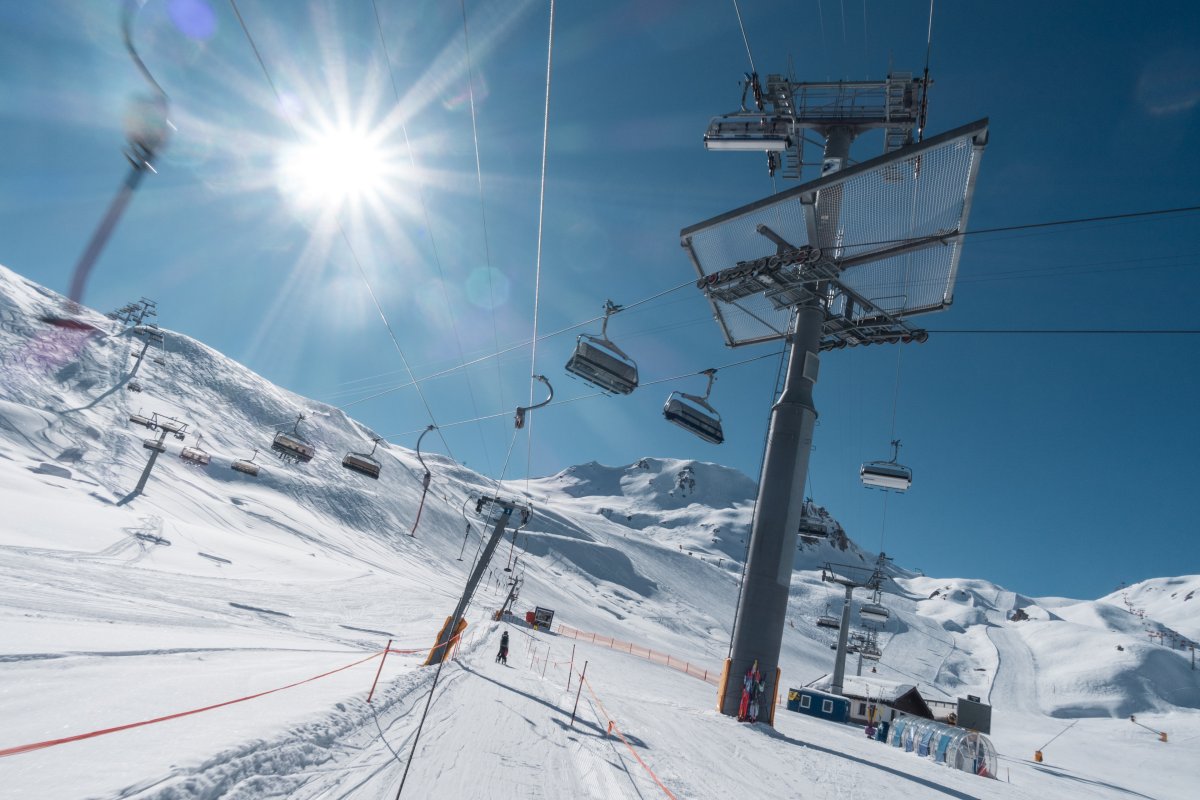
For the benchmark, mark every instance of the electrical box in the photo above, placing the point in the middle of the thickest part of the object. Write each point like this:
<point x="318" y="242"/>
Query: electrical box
<point x="974" y="715"/>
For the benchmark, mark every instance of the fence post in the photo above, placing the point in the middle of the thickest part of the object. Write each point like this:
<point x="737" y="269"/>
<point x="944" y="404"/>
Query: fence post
<point x="378" y="671"/>
<point x="582" y="675"/>
<point x="571" y="668"/>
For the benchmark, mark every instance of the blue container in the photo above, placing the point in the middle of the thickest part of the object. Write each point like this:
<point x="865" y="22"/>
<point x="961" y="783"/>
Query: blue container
<point x="819" y="704"/>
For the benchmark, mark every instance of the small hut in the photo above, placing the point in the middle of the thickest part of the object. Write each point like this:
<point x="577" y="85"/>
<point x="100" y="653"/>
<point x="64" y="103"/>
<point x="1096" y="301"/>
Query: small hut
<point x="872" y="699"/>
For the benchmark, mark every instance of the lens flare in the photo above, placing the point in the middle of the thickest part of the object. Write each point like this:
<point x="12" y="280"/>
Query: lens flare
<point x="335" y="168"/>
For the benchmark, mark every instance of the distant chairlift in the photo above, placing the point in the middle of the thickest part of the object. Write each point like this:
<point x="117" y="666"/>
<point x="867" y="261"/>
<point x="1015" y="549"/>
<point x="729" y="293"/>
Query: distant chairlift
<point x="363" y="463"/>
<point x="194" y="455"/>
<point x="138" y="419"/>
<point x="887" y="474"/>
<point x="874" y="612"/>
<point x="246" y="467"/>
<point x="694" y="414"/>
<point x="291" y="446"/>
<point x="812" y="528"/>
<point x="828" y="620"/>
<point x="600" y="362"/>
<point x="154" y="444"/>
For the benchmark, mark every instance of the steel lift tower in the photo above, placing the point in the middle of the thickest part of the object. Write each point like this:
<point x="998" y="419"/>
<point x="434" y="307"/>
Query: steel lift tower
<point x="839" y="261"/>
<point x="838" y="112"/>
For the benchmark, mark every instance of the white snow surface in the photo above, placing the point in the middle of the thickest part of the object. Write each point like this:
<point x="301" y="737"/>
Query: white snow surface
<point x="213" y="586"/>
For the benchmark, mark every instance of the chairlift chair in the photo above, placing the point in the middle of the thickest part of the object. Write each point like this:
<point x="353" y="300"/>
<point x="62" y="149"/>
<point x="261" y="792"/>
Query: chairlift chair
<point x="600" y="362"/>
<point x="519" y="421"/>
<point x="246" y="467"/>
<point x="133" y="386"/>
<point x="829" y="621"/>
<point x="694" y="414"/>
<point x="138" y="419"/>
<point x="811" y="531"/>
<point x="811" y="527"/>
<point x="194" y="455"/>
<point x="292" y="446"/>
<point x="363" y="463"/>
<point x="154" y="444"/>
<point x="875" y="612"/>
<point x="887" y="474"/>
<point x="426" y="478"/>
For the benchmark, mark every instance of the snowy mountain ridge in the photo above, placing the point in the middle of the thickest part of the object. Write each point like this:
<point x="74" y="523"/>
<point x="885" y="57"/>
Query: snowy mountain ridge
<point x="213" y="573"/>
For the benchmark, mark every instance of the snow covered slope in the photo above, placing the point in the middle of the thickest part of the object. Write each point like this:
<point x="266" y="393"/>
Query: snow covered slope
<point x="1171" y="602"/>
<point x="211" y="586"/>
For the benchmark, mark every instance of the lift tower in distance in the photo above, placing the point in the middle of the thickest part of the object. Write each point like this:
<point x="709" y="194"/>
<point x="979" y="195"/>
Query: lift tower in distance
<point x="840" y="261"/>
<point x="496" y="510"/>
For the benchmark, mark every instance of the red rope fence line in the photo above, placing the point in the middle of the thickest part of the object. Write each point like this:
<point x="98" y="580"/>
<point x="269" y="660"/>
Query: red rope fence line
<point x="29" y="748"/>
<point x="665" y="659"/>
<point x="613" y="728"/>
<point x="414" y="651"/>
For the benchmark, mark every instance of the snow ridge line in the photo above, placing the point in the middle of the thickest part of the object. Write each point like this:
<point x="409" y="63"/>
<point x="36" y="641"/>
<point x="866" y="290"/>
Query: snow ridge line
<point x="28" y="748"/>
<point x="613" y="728"/>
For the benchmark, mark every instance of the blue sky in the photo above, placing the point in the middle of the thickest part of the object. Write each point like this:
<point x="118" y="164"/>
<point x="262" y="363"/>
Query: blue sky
<point x="1050" y="464"/>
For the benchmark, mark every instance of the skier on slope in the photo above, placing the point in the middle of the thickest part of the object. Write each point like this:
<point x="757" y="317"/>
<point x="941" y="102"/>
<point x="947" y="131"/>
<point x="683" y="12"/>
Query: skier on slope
<point x="502" y="656"/>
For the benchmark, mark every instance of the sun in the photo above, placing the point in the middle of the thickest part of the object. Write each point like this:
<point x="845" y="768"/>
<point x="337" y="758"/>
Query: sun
<point x="337" y="167"/>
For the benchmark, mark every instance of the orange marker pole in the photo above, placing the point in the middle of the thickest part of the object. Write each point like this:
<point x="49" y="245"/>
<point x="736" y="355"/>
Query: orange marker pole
<point x="379" y="671"/>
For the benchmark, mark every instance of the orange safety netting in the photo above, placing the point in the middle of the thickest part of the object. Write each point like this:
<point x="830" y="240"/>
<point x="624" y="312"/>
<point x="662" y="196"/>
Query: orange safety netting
<point x="666" y="659"/>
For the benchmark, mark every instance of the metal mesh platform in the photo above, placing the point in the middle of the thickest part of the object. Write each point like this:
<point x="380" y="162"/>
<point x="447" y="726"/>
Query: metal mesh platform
<point x="881" y="242"/>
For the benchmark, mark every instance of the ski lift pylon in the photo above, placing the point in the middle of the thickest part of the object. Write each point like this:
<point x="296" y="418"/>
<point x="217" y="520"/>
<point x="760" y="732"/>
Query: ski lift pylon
<point x="292" y="446"/>
<point x="599" y="361"/>
<point x="363" y="463"/>
<point x="694" y="414"/>
<point x="887" y="474"/>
